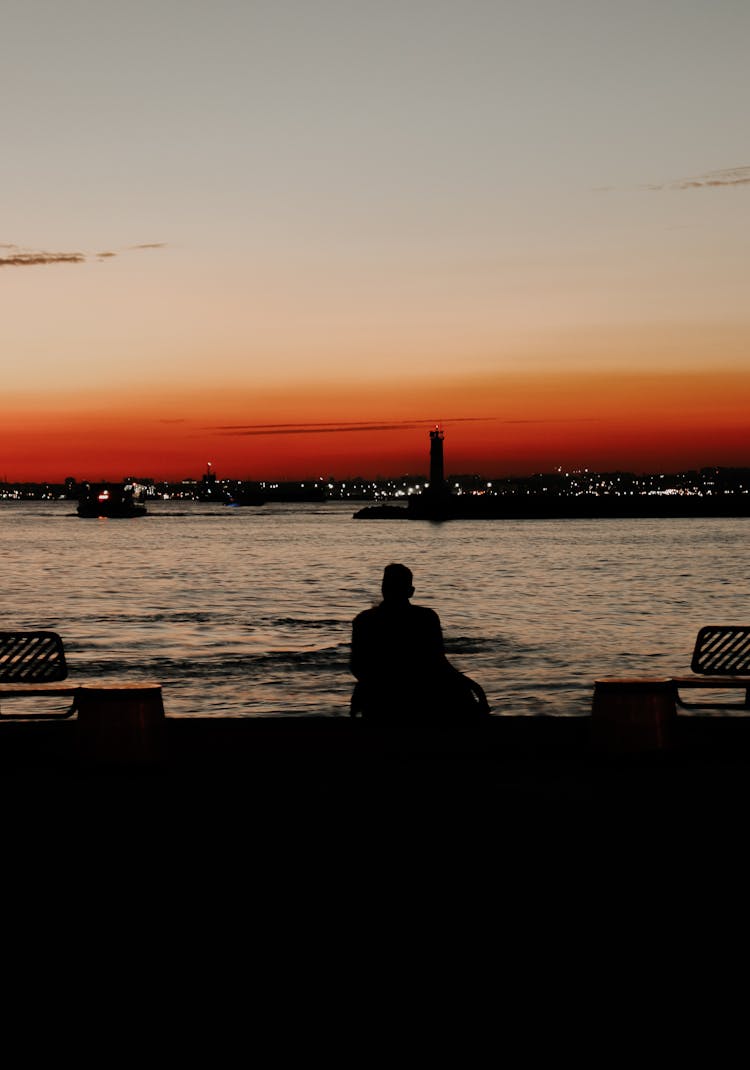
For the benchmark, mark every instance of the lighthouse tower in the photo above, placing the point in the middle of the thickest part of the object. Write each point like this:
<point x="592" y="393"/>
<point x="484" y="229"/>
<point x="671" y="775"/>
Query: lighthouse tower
<point x="437" y="472"/>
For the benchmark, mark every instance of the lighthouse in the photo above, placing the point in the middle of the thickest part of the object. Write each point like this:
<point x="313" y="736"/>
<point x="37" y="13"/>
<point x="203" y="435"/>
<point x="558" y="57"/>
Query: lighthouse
<point x="437" y="473"/>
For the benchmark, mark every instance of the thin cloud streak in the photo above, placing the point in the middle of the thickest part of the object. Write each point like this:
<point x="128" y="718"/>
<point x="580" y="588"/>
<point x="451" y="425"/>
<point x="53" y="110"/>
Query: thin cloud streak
<point x="17" y="258"/>
<point x="318" y="429"/>
<point x="734" y="176"/>
<point x="248" y="430"/>
<point x="33" y="259"/>
<point x="337" y="428"/>
<point x="728" y="178"/>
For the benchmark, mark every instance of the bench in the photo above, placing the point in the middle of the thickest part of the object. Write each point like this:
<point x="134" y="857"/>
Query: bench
<point x="32" y="664"/>
<point x="116" y="722"/>
<point x="639" y="714"/>
<point x="721" y="659"/>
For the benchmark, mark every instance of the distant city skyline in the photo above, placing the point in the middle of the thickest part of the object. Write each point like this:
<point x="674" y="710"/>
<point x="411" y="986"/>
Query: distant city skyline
<point x="414" y="480"/>
<point x="288" y="236"/>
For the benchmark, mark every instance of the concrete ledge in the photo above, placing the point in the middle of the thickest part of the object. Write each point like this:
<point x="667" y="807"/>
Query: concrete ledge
<point x="117" y="727"/>
<point x="323" y="769"/>
<point x="112" y="734"/>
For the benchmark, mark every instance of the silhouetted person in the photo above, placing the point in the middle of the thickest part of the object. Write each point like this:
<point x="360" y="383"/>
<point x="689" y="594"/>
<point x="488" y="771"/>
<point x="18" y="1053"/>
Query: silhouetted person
<point x="399" y="661"/>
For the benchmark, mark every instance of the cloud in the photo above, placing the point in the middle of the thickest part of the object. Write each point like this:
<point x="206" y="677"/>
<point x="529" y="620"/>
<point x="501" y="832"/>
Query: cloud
<point x="734" y="176"/>
<point x="31" y="259"/>
<point x="18" y="258"/>
<point x="337" y="428"/>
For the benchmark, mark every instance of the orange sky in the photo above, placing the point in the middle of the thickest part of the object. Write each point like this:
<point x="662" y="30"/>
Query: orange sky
<point x="496" y="425"/>
<point x="349" y="221"/>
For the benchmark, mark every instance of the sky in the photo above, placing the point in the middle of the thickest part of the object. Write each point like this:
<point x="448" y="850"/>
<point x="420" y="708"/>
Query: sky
<point x="289" y="237"/>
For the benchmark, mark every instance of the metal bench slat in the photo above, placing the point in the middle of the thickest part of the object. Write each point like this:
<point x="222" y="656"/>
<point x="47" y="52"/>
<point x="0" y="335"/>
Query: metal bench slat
<point x="31" y="657"/>
<point x="722" y="651"/>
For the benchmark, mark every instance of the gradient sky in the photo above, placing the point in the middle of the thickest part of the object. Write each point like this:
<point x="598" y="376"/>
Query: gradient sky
<point x="288" y="236"/>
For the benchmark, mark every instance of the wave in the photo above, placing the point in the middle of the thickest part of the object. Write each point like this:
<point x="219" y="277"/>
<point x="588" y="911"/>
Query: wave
<point x="223" y="666"/>
<point x="201" y="616"/>
<point x="464" y="644"/>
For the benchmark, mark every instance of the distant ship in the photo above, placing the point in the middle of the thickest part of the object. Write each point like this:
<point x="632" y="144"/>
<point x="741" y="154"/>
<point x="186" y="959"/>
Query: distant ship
<point x="105" y="500"/>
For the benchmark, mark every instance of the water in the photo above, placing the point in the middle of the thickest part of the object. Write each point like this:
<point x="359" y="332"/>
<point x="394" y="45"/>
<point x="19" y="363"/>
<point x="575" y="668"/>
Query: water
<point x="248" y="611"/>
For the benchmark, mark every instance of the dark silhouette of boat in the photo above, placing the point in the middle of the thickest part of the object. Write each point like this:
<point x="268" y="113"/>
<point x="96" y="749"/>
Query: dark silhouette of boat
<point x="107" y="500"/>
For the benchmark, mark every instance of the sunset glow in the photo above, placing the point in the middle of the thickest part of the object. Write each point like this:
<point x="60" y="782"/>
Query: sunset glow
<point x="291" y="237"/>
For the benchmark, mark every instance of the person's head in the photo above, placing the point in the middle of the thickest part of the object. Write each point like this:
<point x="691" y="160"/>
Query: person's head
<point x="397" y="583"/>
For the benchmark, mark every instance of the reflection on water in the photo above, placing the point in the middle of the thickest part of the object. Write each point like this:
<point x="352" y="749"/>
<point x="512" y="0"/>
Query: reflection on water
<point x="248" y="611"/>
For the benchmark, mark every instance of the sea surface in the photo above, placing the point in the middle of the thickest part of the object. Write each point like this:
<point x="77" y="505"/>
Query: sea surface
<point x="247" y="611"/>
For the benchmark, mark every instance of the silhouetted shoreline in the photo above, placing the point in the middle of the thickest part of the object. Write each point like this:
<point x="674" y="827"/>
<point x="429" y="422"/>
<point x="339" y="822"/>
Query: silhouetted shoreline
<point x="713" y="483"/>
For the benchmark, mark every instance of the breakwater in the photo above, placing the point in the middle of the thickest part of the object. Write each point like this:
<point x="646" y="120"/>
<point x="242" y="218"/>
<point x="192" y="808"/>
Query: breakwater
<point x="560" y="507"/>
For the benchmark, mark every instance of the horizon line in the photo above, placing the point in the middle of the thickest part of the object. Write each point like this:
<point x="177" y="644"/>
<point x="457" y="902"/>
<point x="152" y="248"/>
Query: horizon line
<point x="556" y="471"/>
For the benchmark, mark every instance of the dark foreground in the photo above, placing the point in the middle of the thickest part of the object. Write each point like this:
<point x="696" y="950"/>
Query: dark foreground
<point x="274" y="850"/>
<point x="239" y="768"/>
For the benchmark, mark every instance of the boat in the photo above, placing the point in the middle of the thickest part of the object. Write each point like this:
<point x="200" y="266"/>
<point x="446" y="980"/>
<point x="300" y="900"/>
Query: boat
<point x="106" y="500"/>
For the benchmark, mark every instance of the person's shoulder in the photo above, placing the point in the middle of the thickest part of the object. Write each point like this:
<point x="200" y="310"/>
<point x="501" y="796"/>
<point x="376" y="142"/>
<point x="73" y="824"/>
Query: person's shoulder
<point x="367" y="615"/>
<point x="426" y="613"/>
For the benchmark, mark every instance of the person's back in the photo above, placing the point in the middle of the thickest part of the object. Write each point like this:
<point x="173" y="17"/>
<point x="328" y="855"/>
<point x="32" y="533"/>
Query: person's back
<point x="400" y="664"/>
